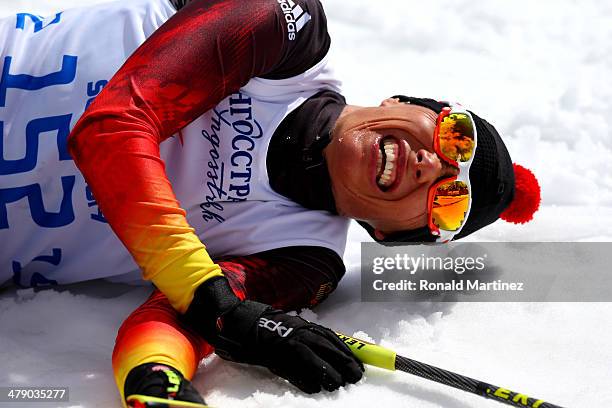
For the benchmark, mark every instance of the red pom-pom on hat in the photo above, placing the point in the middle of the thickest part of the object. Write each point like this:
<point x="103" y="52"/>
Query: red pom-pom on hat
<point x="526" y="197"/>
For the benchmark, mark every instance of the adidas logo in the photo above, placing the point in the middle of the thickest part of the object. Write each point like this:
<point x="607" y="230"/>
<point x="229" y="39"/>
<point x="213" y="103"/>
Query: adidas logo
<point x="295" y="16"/>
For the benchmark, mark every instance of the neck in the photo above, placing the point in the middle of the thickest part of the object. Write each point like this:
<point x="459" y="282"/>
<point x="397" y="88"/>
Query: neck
<point x="296" y="164"/>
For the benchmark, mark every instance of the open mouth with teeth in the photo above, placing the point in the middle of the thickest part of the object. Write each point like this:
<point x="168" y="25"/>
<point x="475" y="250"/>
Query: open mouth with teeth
<point x="387" y="163"/>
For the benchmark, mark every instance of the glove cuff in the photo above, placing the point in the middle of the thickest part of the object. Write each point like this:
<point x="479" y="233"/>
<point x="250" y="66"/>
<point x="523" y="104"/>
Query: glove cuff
<point x="226" y="322"/>
<point x="212" y="299"/>
<point x="236" y="327"/>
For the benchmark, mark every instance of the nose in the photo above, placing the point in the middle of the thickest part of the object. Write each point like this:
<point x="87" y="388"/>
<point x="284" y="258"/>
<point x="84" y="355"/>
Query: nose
<point x="428" y="166"/>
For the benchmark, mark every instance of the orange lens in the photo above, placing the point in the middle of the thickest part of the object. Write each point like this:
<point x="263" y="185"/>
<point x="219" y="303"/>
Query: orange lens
<point x="450" y="205"/>
<point x="456" y="136"/>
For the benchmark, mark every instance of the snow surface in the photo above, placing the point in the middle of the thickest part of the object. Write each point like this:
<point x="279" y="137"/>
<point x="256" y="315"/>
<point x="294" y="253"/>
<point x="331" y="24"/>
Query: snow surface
<point x="541" y="72"/>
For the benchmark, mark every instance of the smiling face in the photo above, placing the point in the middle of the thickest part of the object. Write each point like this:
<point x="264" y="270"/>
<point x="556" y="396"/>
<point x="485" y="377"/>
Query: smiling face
<point x="381" y="163"/>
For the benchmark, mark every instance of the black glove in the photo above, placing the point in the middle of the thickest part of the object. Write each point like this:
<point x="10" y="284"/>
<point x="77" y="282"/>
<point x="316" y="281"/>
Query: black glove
<point x="308" y="355"/>
<point x="161" y="381"/>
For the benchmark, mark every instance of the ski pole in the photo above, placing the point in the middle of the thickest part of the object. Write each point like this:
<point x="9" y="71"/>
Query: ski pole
<point x="381" y="357"/>
<point x="146" y="401"/>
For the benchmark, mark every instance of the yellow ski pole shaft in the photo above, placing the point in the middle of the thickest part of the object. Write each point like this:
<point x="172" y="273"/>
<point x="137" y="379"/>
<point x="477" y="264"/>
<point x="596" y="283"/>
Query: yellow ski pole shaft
<point x="146" y="401"/>
<point x="377" y="356"/>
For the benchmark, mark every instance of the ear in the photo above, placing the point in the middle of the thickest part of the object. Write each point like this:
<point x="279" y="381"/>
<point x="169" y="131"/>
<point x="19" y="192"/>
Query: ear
<point x="379" y="235"/>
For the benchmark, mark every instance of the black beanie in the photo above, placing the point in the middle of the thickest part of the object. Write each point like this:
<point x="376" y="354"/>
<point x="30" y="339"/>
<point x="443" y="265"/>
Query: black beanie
<point x="491" y="180"/>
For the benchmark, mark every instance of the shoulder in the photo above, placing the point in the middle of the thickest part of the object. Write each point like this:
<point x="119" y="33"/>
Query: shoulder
<point x="179" y="4"/>
<point x="307" y="36"/>
<point x="302" y="23"/>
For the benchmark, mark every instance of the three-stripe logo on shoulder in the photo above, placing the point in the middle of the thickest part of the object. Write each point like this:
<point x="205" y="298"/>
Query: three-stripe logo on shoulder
<point x="295" y="16"/>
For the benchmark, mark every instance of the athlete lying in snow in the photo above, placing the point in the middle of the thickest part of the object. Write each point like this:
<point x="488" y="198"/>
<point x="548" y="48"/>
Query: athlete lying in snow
<point x="225" y="127"/>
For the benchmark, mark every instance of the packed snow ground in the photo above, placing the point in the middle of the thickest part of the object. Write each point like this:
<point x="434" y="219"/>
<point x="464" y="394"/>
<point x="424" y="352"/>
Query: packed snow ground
<point x="540" y="71"/>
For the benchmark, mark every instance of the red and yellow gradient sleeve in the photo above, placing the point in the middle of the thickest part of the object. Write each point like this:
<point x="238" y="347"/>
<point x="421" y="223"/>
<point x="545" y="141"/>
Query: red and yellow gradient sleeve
<point x="205" y="52"/>
<point x="287" y="278"/>
<point x="153" y="334"/>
